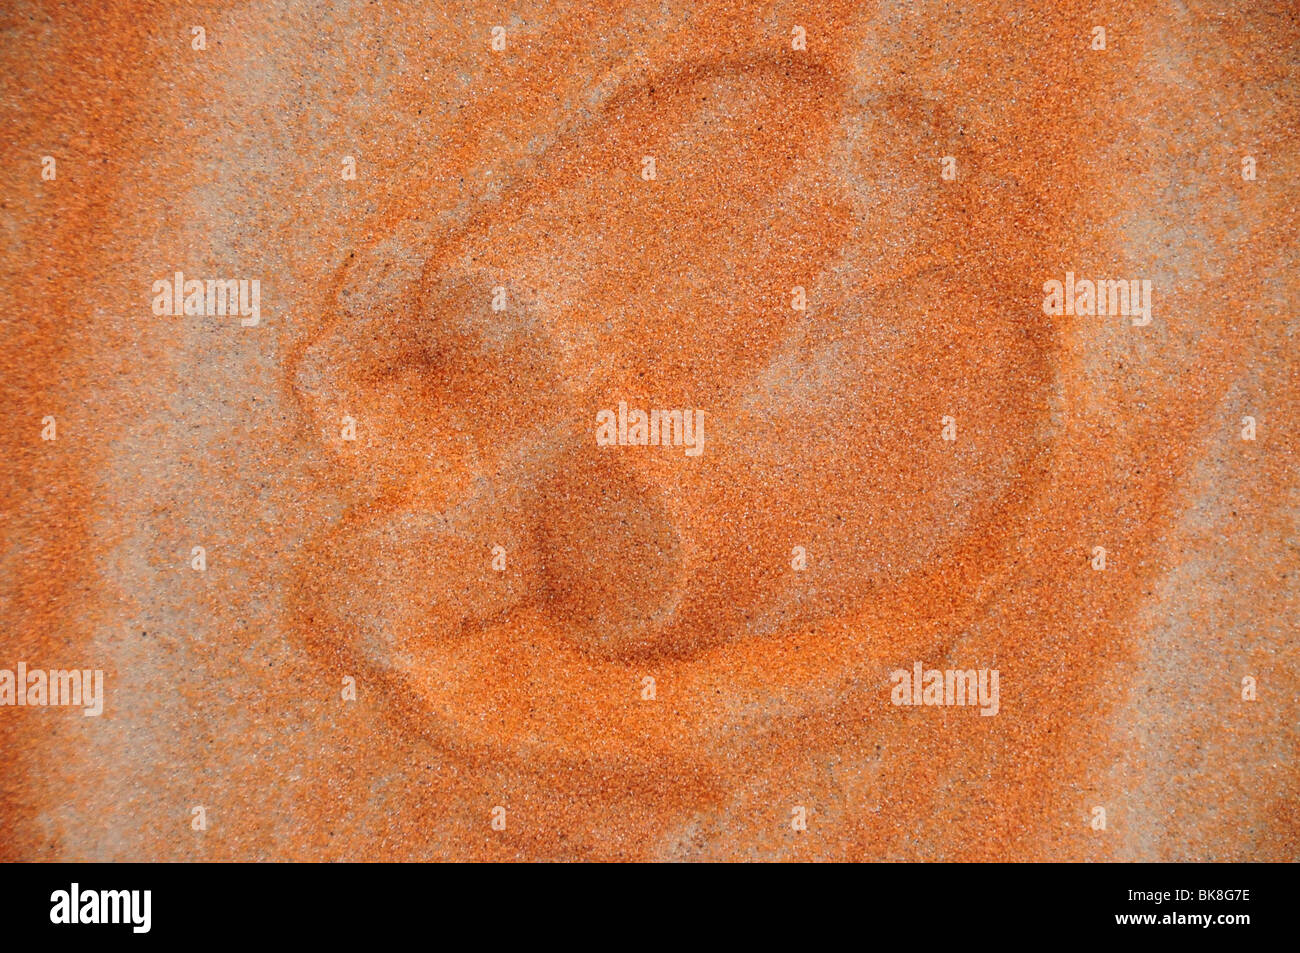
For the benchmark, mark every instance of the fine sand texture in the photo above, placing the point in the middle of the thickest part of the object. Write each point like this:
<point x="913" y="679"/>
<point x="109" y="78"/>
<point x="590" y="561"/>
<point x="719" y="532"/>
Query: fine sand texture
<point x="384" y="569"/>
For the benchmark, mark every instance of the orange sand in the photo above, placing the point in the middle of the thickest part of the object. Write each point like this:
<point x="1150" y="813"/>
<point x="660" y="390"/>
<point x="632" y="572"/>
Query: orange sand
<point x="775" y="168"/>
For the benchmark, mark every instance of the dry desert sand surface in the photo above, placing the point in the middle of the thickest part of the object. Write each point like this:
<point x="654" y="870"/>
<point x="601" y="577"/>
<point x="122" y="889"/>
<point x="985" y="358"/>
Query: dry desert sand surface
<point x="438" y="618"/>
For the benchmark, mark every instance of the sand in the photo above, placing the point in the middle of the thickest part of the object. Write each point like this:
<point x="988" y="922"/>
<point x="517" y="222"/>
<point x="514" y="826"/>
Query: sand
<point x="438" y="620"/>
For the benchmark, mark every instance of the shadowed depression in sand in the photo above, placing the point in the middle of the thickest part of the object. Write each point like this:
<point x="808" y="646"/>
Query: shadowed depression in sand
<point x="498" y="272"/>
